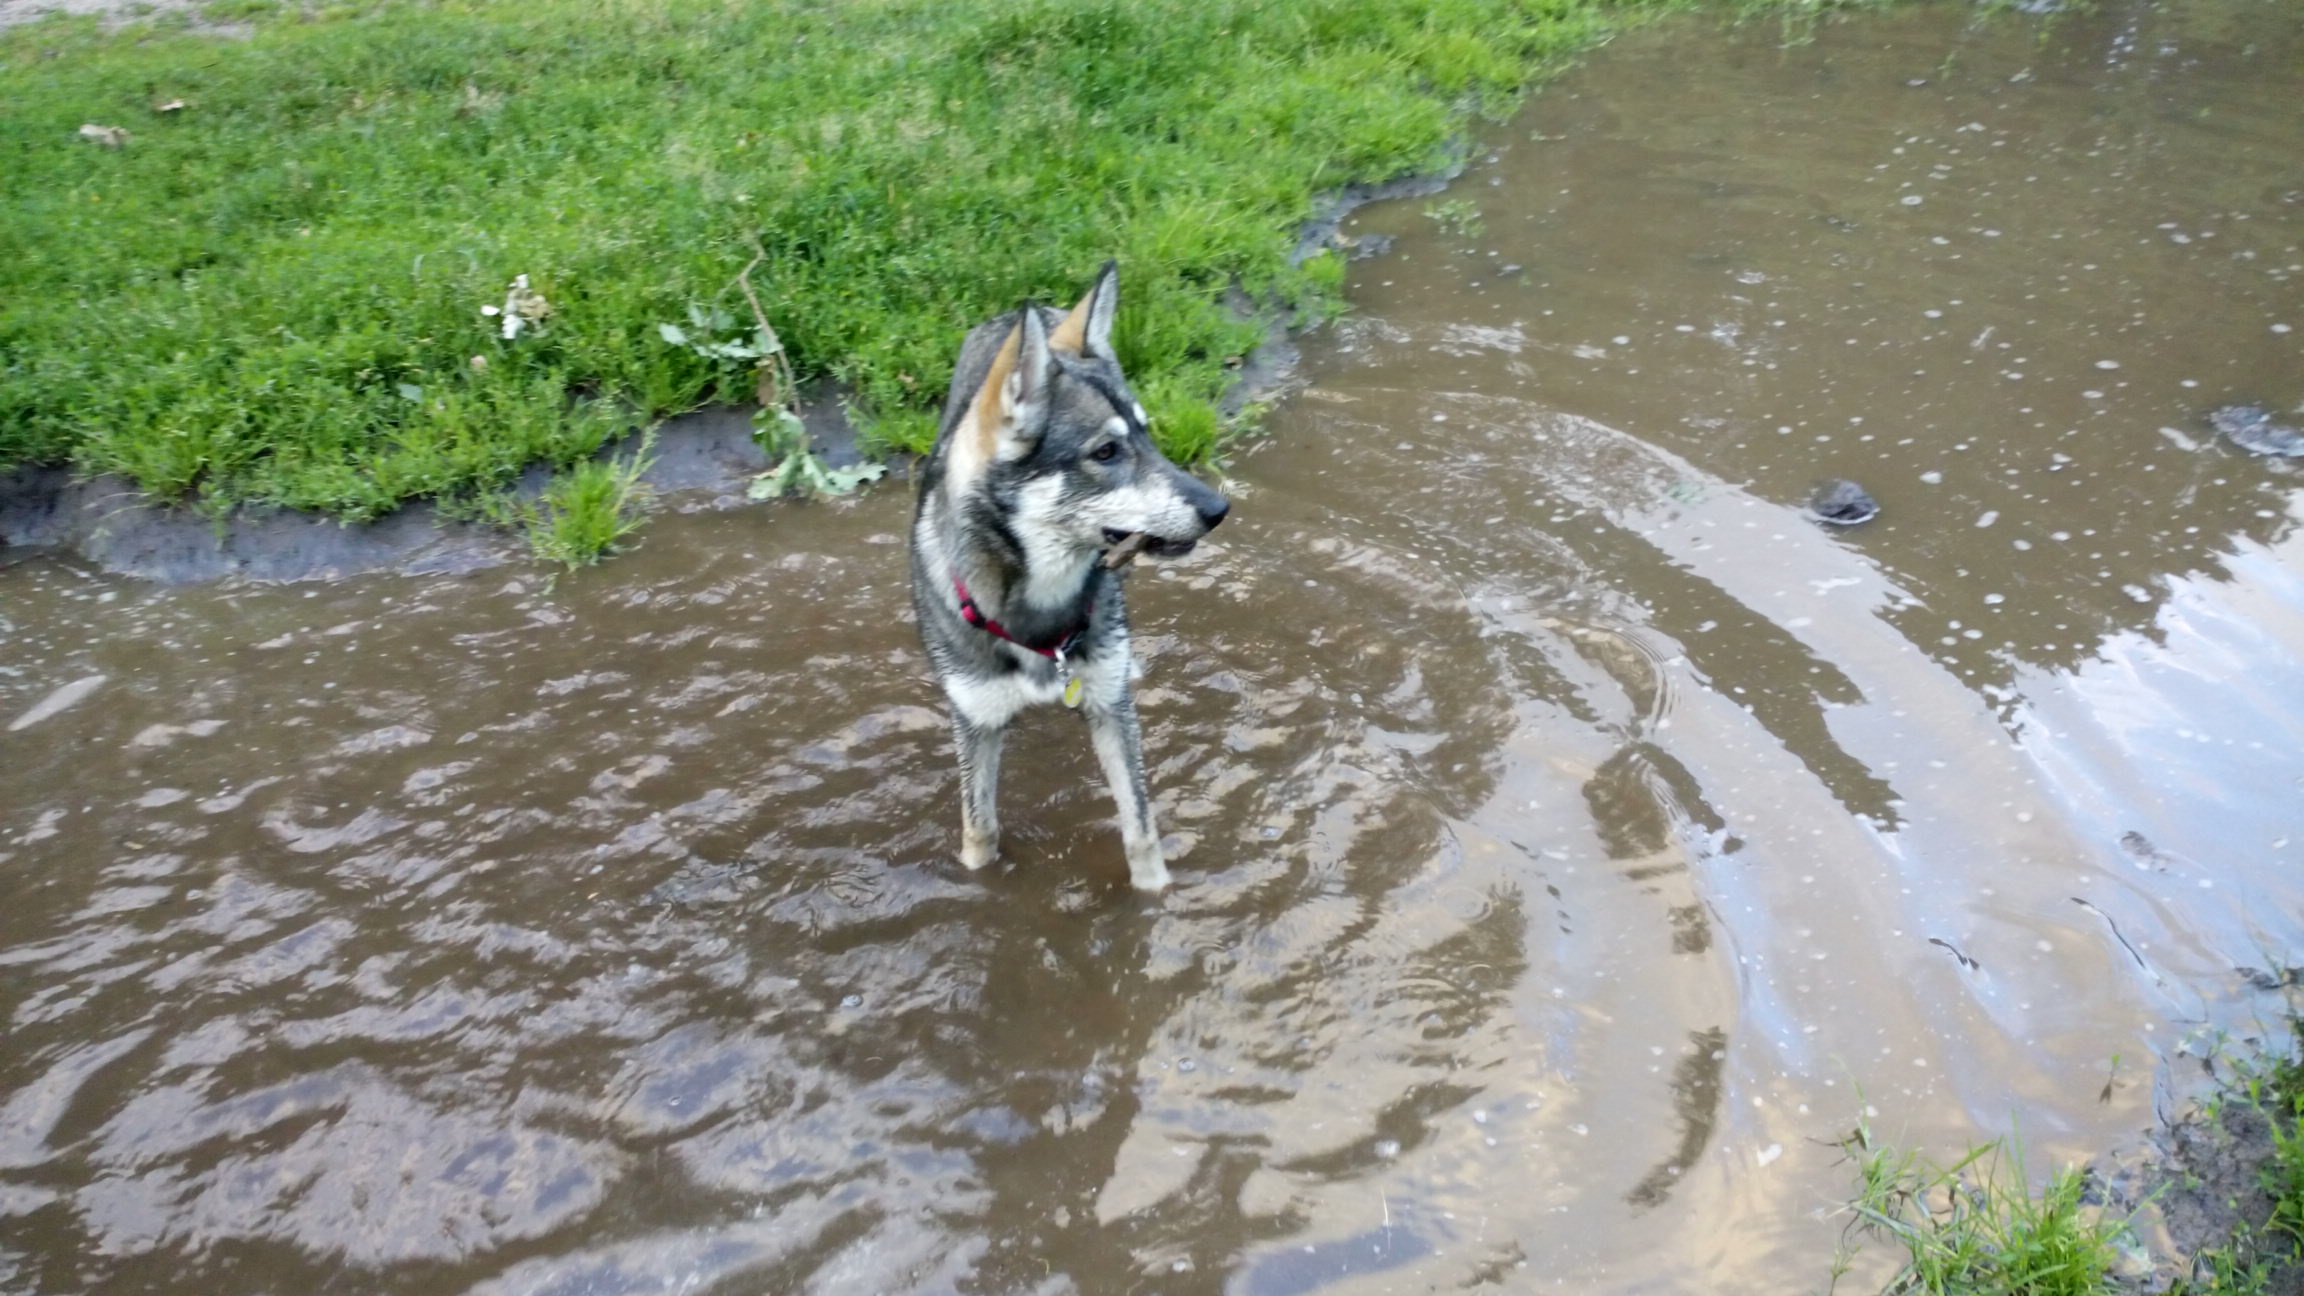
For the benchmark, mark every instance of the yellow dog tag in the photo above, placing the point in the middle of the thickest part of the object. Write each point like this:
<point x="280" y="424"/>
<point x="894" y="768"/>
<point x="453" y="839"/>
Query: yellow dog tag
<point x="1073" y="688"/>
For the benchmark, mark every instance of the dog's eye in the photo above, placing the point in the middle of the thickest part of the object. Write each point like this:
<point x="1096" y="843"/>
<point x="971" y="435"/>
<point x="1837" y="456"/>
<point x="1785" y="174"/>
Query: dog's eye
<point x="1106" y="452"/>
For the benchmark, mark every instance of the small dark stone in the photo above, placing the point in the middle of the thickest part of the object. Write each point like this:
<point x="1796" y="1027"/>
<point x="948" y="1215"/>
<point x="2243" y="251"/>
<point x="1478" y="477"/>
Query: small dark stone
<point x="2252" y="428"/>
<point x="1371" y="245"/>
<point x="1842" y="503"/>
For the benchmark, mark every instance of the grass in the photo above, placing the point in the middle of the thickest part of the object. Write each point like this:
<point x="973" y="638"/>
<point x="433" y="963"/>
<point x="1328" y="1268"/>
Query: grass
<point x="588" y="512"/>
<point x="2279" y="1091"/>
<point x="1976" y="1227"/>
<point x="274" y="291"/>
<point x="1458" y="216"/>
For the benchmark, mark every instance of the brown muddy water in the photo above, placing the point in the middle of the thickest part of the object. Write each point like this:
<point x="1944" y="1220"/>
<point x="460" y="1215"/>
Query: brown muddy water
<point x="1571" y="837"/>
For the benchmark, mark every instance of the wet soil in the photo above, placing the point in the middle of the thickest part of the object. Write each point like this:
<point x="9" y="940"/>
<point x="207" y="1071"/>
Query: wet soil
<point x="2198" y="1186"/>
<point x="701" y="460"/>
<point x="1571" y="835"/>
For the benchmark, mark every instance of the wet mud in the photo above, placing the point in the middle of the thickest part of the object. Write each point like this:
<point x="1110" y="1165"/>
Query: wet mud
<point x="701" y="460"/>
<point x="1572" y="836"/>
<point x="2197" y="1185"/>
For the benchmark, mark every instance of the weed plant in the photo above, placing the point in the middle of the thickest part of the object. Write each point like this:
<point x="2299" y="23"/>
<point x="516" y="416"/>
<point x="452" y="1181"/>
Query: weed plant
<point x="587" y="512"/>
<point x="272" y="288"/>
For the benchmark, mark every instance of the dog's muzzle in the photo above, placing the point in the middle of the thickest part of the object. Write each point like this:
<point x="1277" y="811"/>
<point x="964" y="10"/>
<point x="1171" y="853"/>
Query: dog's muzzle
<point x="1212" y="509"/>
<point x="1154" y="545"/>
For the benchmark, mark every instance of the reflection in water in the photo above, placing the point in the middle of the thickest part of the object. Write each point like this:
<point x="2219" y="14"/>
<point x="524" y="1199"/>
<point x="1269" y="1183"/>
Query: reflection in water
<point x="1696" y="1100"/>
<point x="1564" y="826"/>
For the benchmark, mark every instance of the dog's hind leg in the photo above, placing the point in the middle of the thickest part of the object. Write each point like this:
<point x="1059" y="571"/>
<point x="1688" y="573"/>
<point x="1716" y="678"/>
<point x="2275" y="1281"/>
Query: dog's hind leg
<point x="1120" y="748"/>
<point x="979" y="789"/>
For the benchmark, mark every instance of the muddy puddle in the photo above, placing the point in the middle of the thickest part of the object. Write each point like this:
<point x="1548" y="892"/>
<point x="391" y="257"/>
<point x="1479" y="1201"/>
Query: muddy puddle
<point x="1572" y="836"/>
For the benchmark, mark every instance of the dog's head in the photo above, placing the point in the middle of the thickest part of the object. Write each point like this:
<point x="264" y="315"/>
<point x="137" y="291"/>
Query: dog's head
<point x="1057" y="435"/>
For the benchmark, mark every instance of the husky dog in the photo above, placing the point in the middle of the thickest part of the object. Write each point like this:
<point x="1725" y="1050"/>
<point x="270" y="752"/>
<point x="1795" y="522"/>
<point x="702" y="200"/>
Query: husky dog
<point x="1042" y="466"/>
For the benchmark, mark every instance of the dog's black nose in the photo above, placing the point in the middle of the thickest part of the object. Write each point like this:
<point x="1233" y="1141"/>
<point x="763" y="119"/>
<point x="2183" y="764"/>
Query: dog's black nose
<point x="1213" y="512"/>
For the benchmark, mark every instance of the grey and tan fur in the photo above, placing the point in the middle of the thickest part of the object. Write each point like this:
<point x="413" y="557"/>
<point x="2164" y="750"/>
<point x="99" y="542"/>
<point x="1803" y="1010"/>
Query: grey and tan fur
<point x="1043" y="462"/>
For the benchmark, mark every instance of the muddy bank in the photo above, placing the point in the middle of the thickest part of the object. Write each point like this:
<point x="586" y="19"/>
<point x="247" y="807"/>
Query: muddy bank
<point x="704" y="459"/>
<point x="700" y="460"/>
<point x="2195" y="1184"/>
<point x="1268" y="371"/>
<point x="2207" y="1187"/>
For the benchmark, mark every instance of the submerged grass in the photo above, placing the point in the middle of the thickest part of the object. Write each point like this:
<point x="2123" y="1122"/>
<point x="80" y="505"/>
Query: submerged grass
<point x="271" y="288"/>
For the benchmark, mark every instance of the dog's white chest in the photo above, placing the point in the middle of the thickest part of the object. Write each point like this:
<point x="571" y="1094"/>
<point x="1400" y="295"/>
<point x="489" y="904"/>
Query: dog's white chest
<point x="992" y="701"/>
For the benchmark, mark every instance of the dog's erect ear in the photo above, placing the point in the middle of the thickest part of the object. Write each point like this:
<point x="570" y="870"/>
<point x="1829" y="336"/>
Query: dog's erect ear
<point x="1026" y="388"/>
<point x="1087" y="331"/>
<point x="1006" y="415"/>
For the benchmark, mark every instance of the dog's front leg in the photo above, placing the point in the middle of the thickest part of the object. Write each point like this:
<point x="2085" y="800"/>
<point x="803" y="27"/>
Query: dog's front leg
<point x="979" y="789"/>
<point x="1120" y="748"/>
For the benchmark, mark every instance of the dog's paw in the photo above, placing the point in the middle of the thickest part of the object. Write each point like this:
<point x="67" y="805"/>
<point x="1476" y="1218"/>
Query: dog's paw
<point x="976" y="852"/>
<point x="1147" y="871"/>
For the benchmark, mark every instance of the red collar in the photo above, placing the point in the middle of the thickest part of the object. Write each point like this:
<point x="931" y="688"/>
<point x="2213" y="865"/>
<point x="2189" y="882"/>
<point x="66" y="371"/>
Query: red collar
<point x="974" y="616"/>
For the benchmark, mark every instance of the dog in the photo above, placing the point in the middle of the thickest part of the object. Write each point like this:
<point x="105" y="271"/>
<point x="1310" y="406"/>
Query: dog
<point x="1043" y="481"/>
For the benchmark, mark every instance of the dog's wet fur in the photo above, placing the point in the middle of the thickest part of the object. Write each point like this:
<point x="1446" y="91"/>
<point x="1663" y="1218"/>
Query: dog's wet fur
<point x="1043" y="462"/>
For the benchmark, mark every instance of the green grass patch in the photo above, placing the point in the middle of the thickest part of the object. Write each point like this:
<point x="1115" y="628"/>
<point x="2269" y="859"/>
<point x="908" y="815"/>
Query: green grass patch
<point x="272" y="289"/>
<point x="2279" y="1091"/>
<point x="588" y="511"/>
<point x="1978" y="1228"/>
